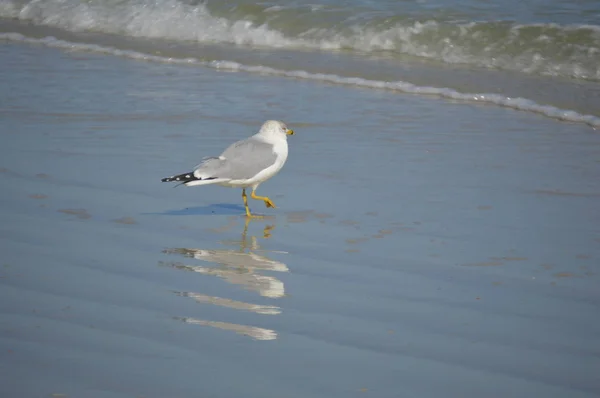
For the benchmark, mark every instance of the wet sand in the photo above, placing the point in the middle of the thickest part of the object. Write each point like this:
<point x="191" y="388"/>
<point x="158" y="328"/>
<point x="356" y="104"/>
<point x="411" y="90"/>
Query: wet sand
<point x="421" y="247"/>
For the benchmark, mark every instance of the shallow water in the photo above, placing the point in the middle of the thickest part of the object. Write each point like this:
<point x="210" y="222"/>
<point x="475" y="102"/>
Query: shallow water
<point x="420" y="246"/>
<point x="525" y="55"/>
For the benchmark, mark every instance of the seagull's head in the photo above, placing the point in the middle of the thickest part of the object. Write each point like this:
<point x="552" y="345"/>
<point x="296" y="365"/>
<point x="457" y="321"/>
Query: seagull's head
<point x="275" y="128"/>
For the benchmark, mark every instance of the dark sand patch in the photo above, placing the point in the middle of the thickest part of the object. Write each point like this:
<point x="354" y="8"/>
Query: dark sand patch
<point x="125" y="220"/>
<point x="583" y="256"/>
<point x="484" y="207"/>
<point x="356" y="240"/>
<point x="371" y="213"/>
<point x="547" y="266"/>
<point x="10" y="172"/>
<point x="565" y="275"/>
<point x="79" y="213"/>
<point x="558" y="192"/>
<point x="42" y="175"/>
<point x="38" y="196"/>
<point x="509" y="258"/>
<point x="484" y="264"/>
<point x="495" y="261"/>
<point x="299" y="216"/>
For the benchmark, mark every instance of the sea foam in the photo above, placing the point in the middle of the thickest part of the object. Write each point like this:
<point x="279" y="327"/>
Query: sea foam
<point x="521" y="104"/>
<point x="548" y="49"/>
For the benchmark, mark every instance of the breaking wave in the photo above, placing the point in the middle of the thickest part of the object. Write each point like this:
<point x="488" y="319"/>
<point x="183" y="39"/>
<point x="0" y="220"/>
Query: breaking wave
<point x="548" y="49"/>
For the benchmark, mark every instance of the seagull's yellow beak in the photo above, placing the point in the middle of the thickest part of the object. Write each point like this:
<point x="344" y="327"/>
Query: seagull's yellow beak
<point x="290" y="132"/>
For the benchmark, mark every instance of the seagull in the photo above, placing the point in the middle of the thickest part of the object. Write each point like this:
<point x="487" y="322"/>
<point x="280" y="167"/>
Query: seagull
<point x="244" y="164"/>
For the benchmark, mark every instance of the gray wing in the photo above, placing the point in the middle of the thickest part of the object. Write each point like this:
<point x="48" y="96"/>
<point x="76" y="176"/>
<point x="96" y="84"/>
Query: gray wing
<point x="241" y="160"/>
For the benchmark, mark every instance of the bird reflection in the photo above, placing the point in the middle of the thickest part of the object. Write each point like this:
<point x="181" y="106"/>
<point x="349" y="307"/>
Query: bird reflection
<point x="238" y="305"/>
<point x="240" y="267"/>
<point x="251" y="331"/>
<point x="243" y="266"/>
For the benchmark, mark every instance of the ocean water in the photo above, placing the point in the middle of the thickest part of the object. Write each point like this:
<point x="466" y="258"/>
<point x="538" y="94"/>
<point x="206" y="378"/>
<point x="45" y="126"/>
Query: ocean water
<point x="534" y="56"/>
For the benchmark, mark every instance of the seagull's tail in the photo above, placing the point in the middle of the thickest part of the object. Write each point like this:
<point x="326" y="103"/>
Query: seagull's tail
<point x="187" y="178"/>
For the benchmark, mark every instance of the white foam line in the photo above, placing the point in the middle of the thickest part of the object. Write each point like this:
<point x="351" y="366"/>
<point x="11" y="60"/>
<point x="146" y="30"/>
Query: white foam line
<point x="518" y="103"/>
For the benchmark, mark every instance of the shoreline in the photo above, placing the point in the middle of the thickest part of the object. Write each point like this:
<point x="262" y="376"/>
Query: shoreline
<point x="568" y="100"/>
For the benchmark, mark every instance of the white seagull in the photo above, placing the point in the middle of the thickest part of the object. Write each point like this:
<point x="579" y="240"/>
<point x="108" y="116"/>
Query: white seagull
<point x="244" y="164"/>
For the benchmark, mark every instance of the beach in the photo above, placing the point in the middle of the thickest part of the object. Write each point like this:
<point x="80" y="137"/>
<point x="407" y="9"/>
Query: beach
<point x="422" y="245"/>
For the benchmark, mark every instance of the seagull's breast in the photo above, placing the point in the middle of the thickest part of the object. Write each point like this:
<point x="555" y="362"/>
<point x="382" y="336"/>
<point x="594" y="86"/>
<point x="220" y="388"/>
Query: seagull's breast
<point x="280" y="149"/>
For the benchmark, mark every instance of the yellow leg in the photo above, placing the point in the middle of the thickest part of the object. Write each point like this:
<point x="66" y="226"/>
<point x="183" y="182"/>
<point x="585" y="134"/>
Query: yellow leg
<point x="245" y="198"/>
<point x="267" y="201"/>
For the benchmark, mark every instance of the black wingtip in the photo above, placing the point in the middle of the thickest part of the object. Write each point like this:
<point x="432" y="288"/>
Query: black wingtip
<point x="183" y="178"/>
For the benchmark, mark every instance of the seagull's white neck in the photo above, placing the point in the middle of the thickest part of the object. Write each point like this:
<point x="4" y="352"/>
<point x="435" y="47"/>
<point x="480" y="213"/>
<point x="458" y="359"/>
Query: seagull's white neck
<point x="272" y="138"/>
